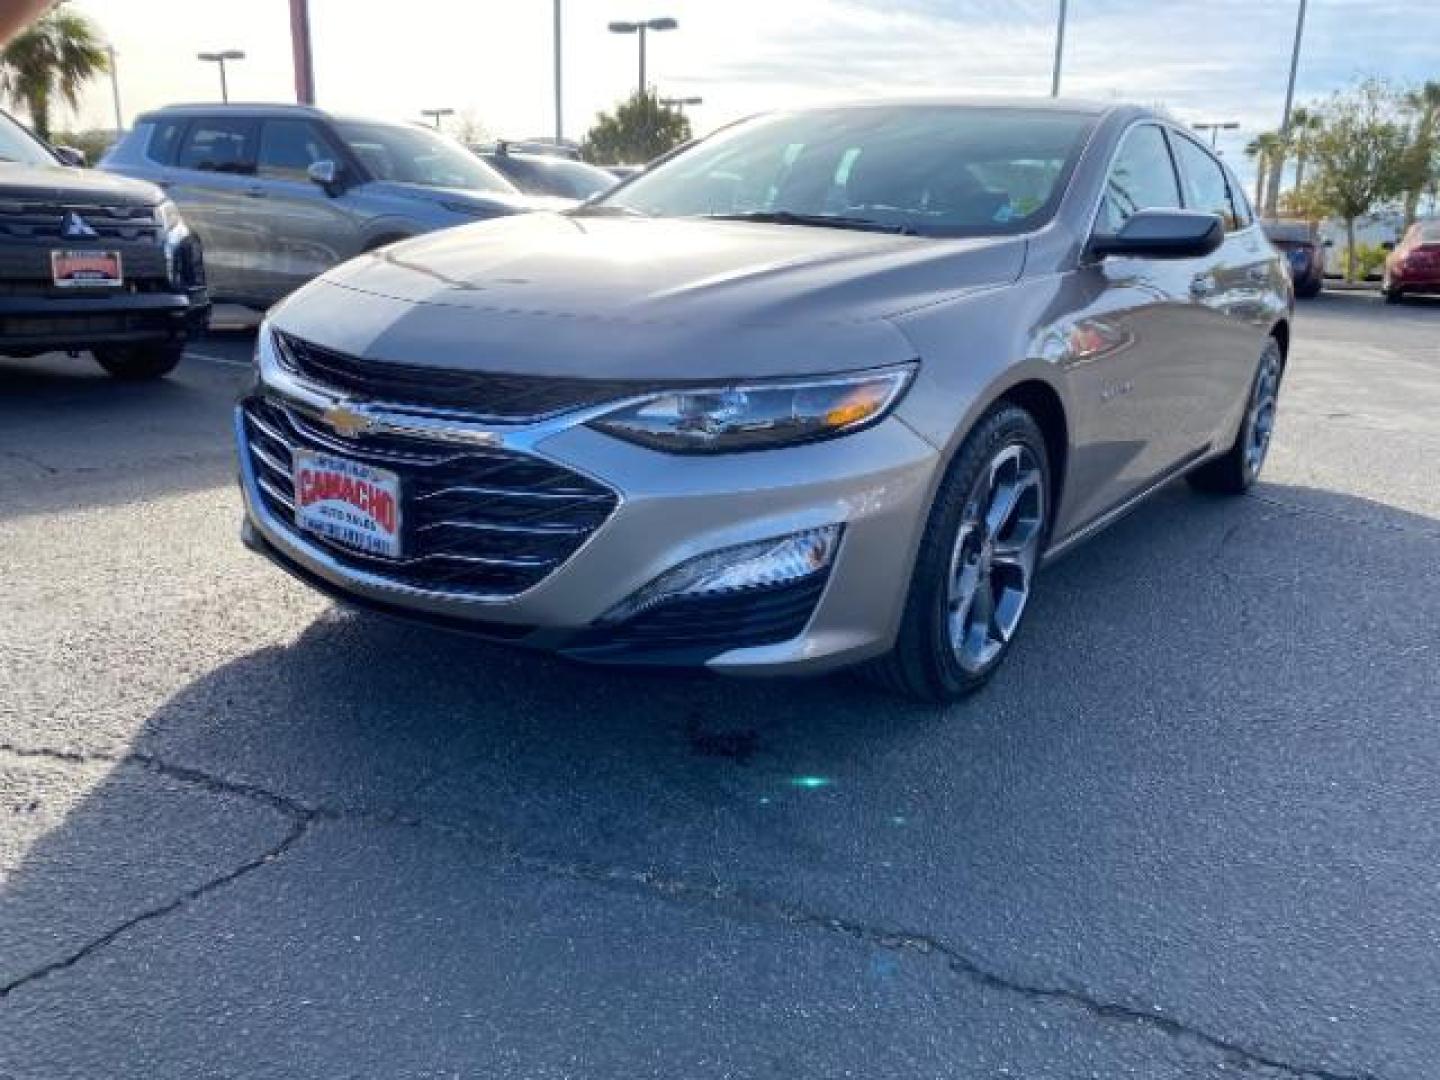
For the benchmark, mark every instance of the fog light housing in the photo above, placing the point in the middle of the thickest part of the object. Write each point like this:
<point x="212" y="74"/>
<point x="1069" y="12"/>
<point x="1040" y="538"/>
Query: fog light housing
<point x="780" y="560"/>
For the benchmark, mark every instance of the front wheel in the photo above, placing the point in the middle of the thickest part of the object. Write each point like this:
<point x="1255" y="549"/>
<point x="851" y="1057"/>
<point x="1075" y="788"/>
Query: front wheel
<point x="136" y="363"/>
<point x="976" y="565"/>
<point x="1233" y="473"/>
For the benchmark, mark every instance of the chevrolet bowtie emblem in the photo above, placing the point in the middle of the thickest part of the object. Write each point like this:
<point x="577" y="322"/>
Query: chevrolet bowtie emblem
<point x="347" y="420"/>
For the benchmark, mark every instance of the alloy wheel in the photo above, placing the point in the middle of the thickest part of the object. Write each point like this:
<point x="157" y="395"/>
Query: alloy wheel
<point x="1260" y="423"/>
<point x="996" y="551"/>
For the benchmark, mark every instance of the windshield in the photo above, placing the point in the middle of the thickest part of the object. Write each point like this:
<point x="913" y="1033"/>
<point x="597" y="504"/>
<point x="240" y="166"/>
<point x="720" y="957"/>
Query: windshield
<point x="933" y="170"/>
<point x="414" y="155"/>
<point x="20" y="147"/>
<point x="554" y="176"/>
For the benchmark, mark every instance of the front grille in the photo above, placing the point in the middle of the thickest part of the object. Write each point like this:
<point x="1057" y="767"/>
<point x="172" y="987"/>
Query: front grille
<point x="483" y="396"/>
<point x="474" y="521"/>
<point x="689" y="627"/>
<point x="44" y="219"/>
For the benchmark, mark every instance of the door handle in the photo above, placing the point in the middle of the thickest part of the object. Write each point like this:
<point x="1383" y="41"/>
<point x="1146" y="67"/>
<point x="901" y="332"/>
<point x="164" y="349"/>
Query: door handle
<point x="256" y="192"/>
<point x="1202" y="285"/>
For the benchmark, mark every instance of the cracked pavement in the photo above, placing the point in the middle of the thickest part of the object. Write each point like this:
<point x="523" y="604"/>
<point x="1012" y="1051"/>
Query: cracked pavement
<point x="1190" y="830"/>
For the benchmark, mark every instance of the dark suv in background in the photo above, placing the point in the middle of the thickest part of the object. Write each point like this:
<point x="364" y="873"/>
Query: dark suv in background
<point x="1304" y="251"/>
<point x="281" y="193"/>
<point x="92" y="262"/>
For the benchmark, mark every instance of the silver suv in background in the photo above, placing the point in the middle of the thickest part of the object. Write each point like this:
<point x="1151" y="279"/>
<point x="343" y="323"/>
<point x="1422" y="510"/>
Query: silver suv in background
<point x="281" y="193"/>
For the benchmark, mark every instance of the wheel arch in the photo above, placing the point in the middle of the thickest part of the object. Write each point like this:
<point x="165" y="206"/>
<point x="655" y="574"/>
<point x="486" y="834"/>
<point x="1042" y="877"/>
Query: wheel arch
<point x="1281" y="333"/>
<point x="1043" y="402"/>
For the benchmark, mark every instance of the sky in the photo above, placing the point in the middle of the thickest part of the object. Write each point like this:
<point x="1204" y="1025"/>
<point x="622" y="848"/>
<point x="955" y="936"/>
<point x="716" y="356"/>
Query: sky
<point x="492" y="59"/>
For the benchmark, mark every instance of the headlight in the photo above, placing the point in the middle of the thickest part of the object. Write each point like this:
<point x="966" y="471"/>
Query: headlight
<point x="721" y="419"/>
<point x="168" y="216"/>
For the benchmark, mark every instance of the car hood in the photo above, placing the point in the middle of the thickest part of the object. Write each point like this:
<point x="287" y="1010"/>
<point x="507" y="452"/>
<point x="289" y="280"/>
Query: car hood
<point x="64" y="184"/>
<point x="641" y="298"/>
<point x="505" y="202"/>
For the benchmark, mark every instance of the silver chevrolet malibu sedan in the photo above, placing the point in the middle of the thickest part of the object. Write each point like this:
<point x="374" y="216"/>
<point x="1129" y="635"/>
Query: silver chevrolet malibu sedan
<point x="827" y="388"/>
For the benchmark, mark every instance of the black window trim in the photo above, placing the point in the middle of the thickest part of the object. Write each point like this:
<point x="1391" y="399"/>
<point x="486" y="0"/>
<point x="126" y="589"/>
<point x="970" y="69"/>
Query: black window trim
<point x="1143" y="121"/>
<point x="1230" y="187"/>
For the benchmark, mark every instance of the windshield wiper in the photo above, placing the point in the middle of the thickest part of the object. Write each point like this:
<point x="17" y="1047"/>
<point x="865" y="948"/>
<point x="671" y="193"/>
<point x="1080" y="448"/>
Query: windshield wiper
<point x="606" y="210"/>
<point x="823" y="221"/>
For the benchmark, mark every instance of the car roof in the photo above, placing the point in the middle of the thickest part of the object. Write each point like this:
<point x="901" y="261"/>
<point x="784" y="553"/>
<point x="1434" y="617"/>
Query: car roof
<point x="259" y="109"/>
<point x="1083" y="106"/>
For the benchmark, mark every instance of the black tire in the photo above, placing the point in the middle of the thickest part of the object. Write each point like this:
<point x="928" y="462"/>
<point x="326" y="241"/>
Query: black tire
<point x="1392" y="296"/>
<point x="1237" y="470"/>
<point x="139" y="363"/>
<point x="923" y="664"/>
<point x="1309" y="290"/>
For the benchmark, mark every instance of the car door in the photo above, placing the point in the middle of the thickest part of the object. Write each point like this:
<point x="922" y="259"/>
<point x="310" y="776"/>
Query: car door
<point x="211" y="180"/>
<point x="1123" y="347"/>
<point x="1231" y="290"/>
<point x="308" y="228"/>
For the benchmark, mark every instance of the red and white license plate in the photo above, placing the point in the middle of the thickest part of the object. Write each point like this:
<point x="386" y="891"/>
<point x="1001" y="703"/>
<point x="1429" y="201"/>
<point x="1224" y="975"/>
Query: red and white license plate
<point x="352" y="504"/>
<point x="83" y="269"/>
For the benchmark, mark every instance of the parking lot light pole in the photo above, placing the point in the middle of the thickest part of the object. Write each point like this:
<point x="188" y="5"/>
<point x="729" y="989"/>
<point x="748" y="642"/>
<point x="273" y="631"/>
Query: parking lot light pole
<point x="559" y="117"/>
<point x="640" y="28"/>
<point x="1059" y="51"/>
<point x="220" y="58"/>
<point x="436" y="114"/>
<point x="115" y="91"/>
<point x="1215" y="127"/>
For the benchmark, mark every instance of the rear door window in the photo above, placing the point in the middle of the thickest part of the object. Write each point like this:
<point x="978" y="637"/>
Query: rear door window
<point x="219" y="144"/>
<point x="1141" y="178"/>
<point x="1206" y="188"/>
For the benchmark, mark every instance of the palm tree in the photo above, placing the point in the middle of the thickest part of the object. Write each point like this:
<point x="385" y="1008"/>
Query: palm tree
<point x="1426" y="104"/>
<point x="1270" y="151"/>
<point x="54" y="58"/>
<point x="1303" y="123"/>
<point x="1255" y="151"/>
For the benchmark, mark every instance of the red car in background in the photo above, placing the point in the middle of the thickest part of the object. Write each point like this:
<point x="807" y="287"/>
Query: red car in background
<point x="1414" y="265"/>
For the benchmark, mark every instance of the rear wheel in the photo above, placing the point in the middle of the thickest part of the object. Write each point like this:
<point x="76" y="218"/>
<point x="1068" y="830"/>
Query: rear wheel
<point x="977" y="563"/>
<point x="1236" y="471"/>
<point x="136" y="363"/>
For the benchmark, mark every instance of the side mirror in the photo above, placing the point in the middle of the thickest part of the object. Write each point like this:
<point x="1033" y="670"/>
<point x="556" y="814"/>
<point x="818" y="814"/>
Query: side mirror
<point x="68" y="155"/>
<point x="1162" y="234"/>
<point x="326" y="173"/>
<point x="1388" y="245"/>
<point x="1327" y="243"/>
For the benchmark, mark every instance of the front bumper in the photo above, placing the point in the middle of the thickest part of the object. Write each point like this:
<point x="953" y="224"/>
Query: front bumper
<point x="44" y="323"/>
<point x="876" y="483"/>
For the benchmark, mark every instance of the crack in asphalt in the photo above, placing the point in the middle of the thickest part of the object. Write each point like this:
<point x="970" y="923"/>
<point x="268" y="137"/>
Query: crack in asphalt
<point x="672" y="889"/>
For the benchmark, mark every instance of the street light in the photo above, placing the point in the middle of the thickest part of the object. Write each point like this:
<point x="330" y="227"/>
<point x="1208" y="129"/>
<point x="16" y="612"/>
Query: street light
<point x="1215" y="128"/>
<point x="640" y="28"/>
<point x="220" y="58"/>
<point x="436" y="114"/>
<point x="681" y="102"/>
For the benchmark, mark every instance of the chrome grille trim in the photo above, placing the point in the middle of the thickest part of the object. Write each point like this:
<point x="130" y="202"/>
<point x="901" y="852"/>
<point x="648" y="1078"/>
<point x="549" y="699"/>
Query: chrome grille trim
<point x="490" y="541"/>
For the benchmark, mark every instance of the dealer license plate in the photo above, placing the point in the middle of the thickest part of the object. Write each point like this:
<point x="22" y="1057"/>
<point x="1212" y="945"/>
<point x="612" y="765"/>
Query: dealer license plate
<point x="83" y="269"/>
<point x="350" y="503"/>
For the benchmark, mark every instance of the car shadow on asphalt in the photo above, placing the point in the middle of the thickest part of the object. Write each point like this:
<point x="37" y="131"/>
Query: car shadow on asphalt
<point x="1170" y="629"/>
<point x="71" y="437"/>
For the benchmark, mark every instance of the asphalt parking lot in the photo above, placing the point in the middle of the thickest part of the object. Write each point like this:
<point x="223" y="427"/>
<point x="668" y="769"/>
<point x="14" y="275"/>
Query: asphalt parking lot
<point x="1191" y="830"/>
